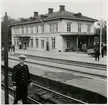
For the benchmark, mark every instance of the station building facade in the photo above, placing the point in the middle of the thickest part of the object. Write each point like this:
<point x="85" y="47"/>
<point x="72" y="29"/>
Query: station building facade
<point x="54" y="31"/>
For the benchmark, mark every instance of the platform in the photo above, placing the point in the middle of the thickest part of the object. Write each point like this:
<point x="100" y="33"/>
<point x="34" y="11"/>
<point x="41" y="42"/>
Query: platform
<point x="82" y="57"/>
<point x="92" y="84"/>
<point x="11" y="99"/>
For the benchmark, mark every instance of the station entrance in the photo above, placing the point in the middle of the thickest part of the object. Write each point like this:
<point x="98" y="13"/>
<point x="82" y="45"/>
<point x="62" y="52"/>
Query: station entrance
<point x="24" y="41"/>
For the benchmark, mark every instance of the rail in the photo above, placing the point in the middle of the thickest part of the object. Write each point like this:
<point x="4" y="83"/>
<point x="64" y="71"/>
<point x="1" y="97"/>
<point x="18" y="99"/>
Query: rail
<point x="67" y="62"/>
<point x="54" y="97"/>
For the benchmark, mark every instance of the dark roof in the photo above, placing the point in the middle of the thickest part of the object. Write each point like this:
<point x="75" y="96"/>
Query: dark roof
<point x="57" y="15"/>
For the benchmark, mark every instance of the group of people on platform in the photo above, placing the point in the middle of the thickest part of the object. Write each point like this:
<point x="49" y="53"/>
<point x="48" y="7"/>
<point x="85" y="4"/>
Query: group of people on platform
<point x="24" y="47"/>
<point x="11" y="48"/>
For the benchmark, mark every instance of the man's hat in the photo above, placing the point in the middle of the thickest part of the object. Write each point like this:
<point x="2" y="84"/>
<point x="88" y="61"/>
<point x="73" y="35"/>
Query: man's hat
<point x="22" y="56"/>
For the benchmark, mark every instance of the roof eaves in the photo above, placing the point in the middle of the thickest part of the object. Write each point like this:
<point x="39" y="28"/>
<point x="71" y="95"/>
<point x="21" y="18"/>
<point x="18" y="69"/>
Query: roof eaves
<point x="49" y="19"/>
<point x="80" y="19"/>
<point x="72" y="18"/>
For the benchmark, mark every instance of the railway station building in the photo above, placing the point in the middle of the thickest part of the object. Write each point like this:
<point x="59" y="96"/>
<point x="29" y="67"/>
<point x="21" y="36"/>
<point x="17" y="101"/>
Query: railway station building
<point x="54" y="31"/>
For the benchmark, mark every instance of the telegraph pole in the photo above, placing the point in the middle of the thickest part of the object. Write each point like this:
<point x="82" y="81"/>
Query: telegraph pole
<point x="101" y="22"/>
<point x="100" y="36"/>
<point x="5" y="39"/>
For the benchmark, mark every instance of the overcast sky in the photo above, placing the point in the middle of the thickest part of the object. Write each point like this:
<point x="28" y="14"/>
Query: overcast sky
<point x="25" y="8"/>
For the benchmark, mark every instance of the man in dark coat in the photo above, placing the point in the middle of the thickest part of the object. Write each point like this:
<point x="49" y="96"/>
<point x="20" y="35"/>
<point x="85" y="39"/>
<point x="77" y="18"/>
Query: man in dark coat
<point x="97" y="54"/>
<point x="102" y="51"/>
<point x="21" y="79"/>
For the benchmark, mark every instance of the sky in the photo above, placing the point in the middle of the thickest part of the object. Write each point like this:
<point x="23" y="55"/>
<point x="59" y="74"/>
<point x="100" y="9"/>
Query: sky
<point x="24" y="8"/>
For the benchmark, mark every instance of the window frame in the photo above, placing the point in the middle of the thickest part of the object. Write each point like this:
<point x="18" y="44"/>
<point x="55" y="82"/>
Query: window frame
<point x="27" y="29"/>
<point x="89" y="28"/>
<point x="31" y="29"/>
<point x="69" y="27"/>
<point x="54" y="27"/>
<point x="22" y="30"/>
<point x="42" y="43"/>
<point x="79" y="27"/>
<point x="53" y="43"/>
<point x="42" y="29"/>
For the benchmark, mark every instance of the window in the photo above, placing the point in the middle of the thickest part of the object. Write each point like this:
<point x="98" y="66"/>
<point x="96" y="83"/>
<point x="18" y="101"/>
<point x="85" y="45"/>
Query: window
<point x="36" y="29"/>
<point x="15" y="42"/>
<point x="53" y="42"/>
<point x="31" y="29"/>
<point x="22" y="30"/>
<point x="42" y="43"/>
<point x="17" y="30"/>
<point x="79" y="27"/>
<point x="88" y="28"/>
<point x="68" y="43"/>
<point x="53" y="27"/>
<point x="26" y="29"/>
<point x="31" y="42"/>
<point x="42" y="29"/>
<point x="68" y="27"/>
<point x="56" y="27"/>
<point x="37" y="43"/>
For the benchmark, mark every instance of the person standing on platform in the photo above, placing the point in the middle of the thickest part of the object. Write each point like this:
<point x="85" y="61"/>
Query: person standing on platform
<point x="13" y="48"/>
<point x="102" y="51"/>
<point x="97" y="54"/>
<point x="21" y="79"/>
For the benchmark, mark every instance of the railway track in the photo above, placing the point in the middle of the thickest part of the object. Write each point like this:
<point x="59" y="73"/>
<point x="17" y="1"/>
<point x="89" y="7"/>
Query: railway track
<point x="11" y="91"/>
<point x="64" y="68"/>
<point x="67" y="62"/>
<point x="43" y="95"/>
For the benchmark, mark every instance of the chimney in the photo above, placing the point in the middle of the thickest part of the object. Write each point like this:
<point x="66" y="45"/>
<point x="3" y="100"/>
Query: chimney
<point x="50" y="10"/>
<point x="35" y="14"/>
<point x="62" y="8"/>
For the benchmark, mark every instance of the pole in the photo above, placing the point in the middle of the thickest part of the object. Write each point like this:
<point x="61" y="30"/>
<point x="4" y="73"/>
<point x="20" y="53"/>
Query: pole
<point x="100" y="36"/>
<point x="101" y="28"/>
<point x="77" y="44"/>
<point x="5" y="36"/>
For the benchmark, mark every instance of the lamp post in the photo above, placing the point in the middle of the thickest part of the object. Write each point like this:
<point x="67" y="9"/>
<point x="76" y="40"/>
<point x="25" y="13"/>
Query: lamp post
<point x="5" y="39"/>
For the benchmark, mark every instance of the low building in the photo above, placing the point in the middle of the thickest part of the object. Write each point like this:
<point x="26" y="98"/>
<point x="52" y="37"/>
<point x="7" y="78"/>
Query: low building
<point x="55" y="31"/>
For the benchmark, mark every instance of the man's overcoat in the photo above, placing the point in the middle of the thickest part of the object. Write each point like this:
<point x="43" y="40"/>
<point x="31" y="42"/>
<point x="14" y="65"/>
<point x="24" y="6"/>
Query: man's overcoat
<point x="21" y="79"/>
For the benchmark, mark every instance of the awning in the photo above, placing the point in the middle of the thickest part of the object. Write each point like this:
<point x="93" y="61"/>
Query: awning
<point x="23" y="36"/>
<point x="75" y="33"/>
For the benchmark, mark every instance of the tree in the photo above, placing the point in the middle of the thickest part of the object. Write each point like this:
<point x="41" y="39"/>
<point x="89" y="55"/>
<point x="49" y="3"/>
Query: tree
<point x="104" y="29"/>
<point x="10" y="21"/>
